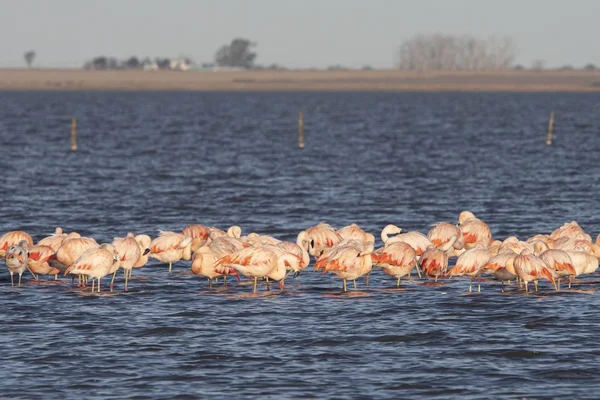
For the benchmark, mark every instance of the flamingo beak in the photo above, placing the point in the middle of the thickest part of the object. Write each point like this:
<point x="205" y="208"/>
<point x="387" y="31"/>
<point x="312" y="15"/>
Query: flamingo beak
<point x="146" y="251"/>
<point x="296" y="274"/>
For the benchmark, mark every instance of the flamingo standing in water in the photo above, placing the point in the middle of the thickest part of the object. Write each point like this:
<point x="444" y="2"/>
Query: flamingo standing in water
<point x="96" y="263"/>
<point x="171" y="247"/>
<point x="16" y="260"/>
<point x="502" y="267"/>
<point x="69" y="251"/>
<point x="39" y="256"/>
<point x="12" y="238"/>
<point x="434" y="261"/>
<point x="474" y="230"/>
<point x="319" y="238"/>
<point x="397" y="260"/>
<point x="129" y="252"/>
<point x="471" y="263"/>
<point x="350" y="261"/>
<point x="204" y="260"/>
<point x="560" y="264"/>
<point x="144" y="243"/>
<point x="531" y="268"/>
<point x="298" y="249"/>
<point x="252" y="262"/>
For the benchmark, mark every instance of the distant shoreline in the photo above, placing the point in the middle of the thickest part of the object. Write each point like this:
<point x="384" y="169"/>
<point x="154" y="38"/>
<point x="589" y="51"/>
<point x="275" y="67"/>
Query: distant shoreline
<point x="263" y="81"/>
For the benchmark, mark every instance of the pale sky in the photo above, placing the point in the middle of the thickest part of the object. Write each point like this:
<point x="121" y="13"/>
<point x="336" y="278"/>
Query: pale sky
<point x="294" y="33"/>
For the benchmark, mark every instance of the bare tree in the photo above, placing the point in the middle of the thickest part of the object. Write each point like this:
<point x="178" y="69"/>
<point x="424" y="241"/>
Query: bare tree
<point x="437" y="52"/>
<point x="29" y="56"/>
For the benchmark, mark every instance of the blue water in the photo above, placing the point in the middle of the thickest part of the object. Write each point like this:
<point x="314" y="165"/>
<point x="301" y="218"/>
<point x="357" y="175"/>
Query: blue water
<point x="159" y="161"/>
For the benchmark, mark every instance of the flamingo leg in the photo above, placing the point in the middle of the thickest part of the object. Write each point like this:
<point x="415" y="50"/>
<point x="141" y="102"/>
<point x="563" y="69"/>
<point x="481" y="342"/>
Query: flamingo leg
<point x="569" y="282"/>
<point x="20" y="279"/>
<point x="558" y="285"/>
<point x="209" y="283"/>
<point x="535" y="284"/>
<point x="93" y="283"/>
<point x="268" y="284"/>
<point x="98" y="285"/>
<point x="344" y="284"/>
<point x="354" y="284"/>
<point x="436" y="278"/>
<point x="255" y="282"/>
<point x="224" y="280"/>
<point x="502" y="286"/>
<point x="526" y="286"/>
<point x="470" y="284"/>
<point x="112" y="282"/>
<point x="418" y="270"/>
<point x="12" y="282"/>
<point x="170" y="266"/>
<point x="479" y="284"/>
<point x="367" y="279"/>
<point x="398" y="283"/>
<point x="55" y="277"/>
<point x="126" y="279"/>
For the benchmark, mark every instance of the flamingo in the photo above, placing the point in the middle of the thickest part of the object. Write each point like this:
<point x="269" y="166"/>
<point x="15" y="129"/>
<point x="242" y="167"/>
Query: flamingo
<point x="354" y="231"/>
<point x="96" y="263"/>
<point x="129" y="251"/>
<point x="69" y="251"/>
<point x="252" y="262"/>
<point x="531" y="268"/>
<point x="12" y="238"/>
<point x="204" y="260"/>
<point x="203" y="263"/>
<point x="569" y="230"/>
<point x="397" y="260"/>
<point x="560" y="264"/>
<point x="39" y="256"/>
<point x="583" y="262"/>
<point x="474" y="230"/>
<point x="434" y="261"/>
<point x="199" y="234"/>
<point x="171" y="247"/>
<point x="144" y="243"/>
<point x="502" y="267"/>
<point x="233" y="232"/>
<point x="319" y="238"/>
<point x="254" y="239"/>
<point x="298" y="249"/>
<point x="512" y="243"/>
<point x="56" y="239"/>
<point x="350" y="261"/>
<point x="442" y="232"/>
<point x="471" y="263"/>
<point x="416" y="240"/>
<point x="16" y="259"/>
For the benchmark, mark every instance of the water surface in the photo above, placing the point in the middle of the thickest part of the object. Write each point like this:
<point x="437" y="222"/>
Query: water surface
<point x="159" y="161"/>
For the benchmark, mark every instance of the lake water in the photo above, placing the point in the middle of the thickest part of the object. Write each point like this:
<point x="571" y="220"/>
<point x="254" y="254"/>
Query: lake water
<point x="159" y="161"/>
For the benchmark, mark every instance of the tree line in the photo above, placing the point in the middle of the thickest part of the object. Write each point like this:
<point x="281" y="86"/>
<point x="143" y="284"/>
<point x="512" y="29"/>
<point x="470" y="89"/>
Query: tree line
<point x="424" y="52"/>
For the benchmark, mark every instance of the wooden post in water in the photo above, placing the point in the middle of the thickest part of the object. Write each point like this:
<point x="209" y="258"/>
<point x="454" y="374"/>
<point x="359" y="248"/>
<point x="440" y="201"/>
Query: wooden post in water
<point x="73" y="134"/>
<point x="550" y="129"/>
<point x="300" y="130"/>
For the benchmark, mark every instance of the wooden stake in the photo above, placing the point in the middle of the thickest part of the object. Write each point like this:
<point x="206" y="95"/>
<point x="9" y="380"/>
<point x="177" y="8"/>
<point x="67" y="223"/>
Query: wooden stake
<point x="73" y="134"/>
<point x="300" y="130"/>
<point x="550" y="129"/>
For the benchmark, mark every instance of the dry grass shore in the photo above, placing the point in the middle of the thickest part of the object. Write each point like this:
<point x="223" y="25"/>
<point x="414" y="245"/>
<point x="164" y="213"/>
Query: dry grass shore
<point x="390" y="80"/>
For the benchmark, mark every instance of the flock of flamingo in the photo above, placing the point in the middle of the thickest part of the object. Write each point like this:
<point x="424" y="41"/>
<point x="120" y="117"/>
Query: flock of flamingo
<point x="348" y="252"/>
